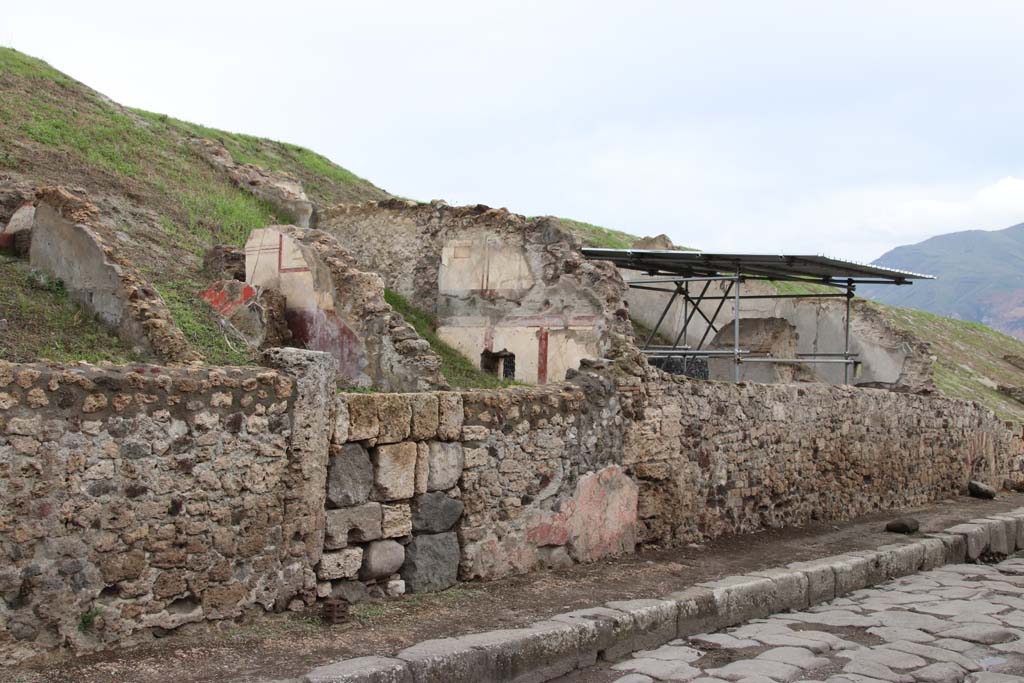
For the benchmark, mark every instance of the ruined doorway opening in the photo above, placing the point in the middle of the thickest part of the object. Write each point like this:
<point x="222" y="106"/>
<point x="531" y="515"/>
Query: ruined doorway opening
<point x="499" y="363"/>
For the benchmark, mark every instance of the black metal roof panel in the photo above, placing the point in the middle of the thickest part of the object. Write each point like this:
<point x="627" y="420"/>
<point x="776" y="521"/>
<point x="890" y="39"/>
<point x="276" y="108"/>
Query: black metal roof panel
<point x="771" y="266"/>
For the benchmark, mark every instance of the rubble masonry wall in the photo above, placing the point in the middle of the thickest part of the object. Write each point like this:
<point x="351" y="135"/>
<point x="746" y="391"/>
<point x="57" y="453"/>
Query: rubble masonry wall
<point x="136" y="501"/>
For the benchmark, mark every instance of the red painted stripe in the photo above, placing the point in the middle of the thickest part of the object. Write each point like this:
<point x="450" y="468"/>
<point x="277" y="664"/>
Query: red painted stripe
<point x="542" y="355"/>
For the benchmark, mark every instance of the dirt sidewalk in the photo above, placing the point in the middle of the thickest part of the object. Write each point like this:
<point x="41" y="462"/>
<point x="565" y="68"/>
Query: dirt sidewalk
<point x="282" y="646"/>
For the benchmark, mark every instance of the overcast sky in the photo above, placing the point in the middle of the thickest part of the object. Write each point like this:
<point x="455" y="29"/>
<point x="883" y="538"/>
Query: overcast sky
<point x="843" y="128"/>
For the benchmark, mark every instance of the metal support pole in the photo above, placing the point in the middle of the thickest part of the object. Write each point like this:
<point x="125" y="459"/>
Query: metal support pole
<point x="661" y="318"/>
<point x="846" y="343"/>
<point x="736" y="331"/>
<point x="689" y="316"/>
<point x="714" y="316"/>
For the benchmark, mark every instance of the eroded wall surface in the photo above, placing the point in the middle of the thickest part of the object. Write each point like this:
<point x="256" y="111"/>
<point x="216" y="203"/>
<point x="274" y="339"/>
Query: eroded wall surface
<point x="332" y="306"/>
<point x="139" y="501"/>
<point x="497" y="282"/>
<point x="136" y="501"/>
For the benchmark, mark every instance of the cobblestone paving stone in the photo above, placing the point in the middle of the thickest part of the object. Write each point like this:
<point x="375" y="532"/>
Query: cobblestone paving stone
<point x="954" y="624"/>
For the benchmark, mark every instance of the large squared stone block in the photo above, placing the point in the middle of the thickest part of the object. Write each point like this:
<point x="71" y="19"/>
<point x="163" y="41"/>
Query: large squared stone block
<point x="395" y="416"/>
<point x="357" y="524"/>
<point x="445" y="465"/>
<point x="424" y="417"/>
<point x="343" y="564"/>
<point x="394" y="470"/>
<point x="349" y="476"/>
<point x="431" y="562"/>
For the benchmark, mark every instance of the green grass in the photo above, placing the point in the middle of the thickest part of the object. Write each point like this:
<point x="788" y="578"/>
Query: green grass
<point x="200" y="325"/>
<point x="460" y="372"/>
<point x="786" y="287"/>
<point x="39" y="320"/>
<point x="19" y="64"/>
<point x="596" y="236"/>
<point x="969" y="358"/>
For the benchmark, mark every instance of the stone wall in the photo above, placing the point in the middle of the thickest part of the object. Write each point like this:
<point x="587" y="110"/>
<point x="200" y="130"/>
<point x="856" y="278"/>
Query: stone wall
<point x="69" y="243"/>
<point x="141" y="500"/>
<point x="135" y="501"/>
<point x="499" y="284"/>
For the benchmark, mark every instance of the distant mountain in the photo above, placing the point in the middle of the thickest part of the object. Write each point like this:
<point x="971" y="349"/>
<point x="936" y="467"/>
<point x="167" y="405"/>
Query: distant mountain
<point x="980" y="277"/>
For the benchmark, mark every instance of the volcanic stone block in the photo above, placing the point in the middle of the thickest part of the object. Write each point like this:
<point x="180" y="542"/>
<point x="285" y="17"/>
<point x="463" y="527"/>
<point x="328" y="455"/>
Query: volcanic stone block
<point x="363" y="422"/>
<point x="445" y="466"/>
<point x="381" y="559"/>
<point x="367" y="669"/>
<point x="395" y="471"/>
<point x="431" y="562"/>
<point x="435" y="512"/>
<point x="357" y="524"/>
<point x="980" y="489"/>
<point x="343" y="564"/>
<point x="349" y="476"/>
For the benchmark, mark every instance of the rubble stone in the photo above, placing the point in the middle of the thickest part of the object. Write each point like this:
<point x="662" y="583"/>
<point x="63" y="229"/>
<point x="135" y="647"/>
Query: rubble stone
<point x="435" y="512"/>
<point x="349" y="475"/>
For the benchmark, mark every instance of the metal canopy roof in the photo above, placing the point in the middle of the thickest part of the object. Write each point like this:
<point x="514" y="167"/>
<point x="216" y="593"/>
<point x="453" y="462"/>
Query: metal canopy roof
<point x="698" y="264"/>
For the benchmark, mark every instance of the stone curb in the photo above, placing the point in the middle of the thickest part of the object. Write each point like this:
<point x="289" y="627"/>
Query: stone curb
<point x="565" y="642"/>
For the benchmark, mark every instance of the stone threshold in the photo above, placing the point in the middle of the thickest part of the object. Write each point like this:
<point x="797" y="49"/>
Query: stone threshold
<point x="574" y="640"/>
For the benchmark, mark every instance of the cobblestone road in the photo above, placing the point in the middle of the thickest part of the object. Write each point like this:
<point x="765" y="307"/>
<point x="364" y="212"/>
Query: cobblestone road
<point x="957" y="623"/>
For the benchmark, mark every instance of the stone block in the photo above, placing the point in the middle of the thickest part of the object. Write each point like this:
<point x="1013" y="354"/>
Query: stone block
<point x="450" y="416"/>
<point x="445" y="465"/>
<point x="1018" y="520"/>
<point x="343" y="564"/>
<point x="397" y="520"/>
<point x="350" y="591"/>
<point x="394" y="414"/>
<point x="349" y="476"/>
<point x="698" y="611"/>
<point x="1002" y="534"/>
<point x="431" y="562"/>
<point x="740" y="598"/>
<point x="539" y="652"/>
<point x="851" y="573"/>
<point x="435" y="512"/>
<point x="821" y="580"/>
<point x="790" y="588"/>
<point x="422" y="466"/>
<point x="600" y="628"/>
<point x="654" y="623"/>
<point x="446" y="660"/>
<point x="381" y="559"/>
<point x="976" y="537"/>
<point x="362" y="670"/>
<point x="934" y="553"/>
<point x="394" y="471"/>
<point x="363" y="423"/>
<point x="357" y="524"/>
<point x="425" y="417"/>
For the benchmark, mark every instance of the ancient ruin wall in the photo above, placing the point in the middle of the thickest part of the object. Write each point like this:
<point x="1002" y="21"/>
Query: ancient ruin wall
<point x="68" y="243"/>
<point x="136" y="500"/>
<point x="496" y="281"/>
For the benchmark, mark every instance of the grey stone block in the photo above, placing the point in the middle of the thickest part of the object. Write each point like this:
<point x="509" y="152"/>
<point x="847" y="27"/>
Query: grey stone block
<point x="600" y="628"/>
<point x="934" y="553"/>
<point x="381" y="559"/>
<point x="445" y="468"/>
<point x="535" y="654"/>
<point x="851" y="573"/>
<point x="821" y="580"/>
<point x="349" y="591"/>
<point x="358" y="524"/>
<point x="740" y="598"/>
<point x="431" y="562"/>
<point x="956" y="547"/>
<point x="435" y="512"/>
<point x="1018" y="520"/>
<point x="446" y="660"/>
<point x="654" y="623"/>
<point x="362" y="670"/>
<point x="790" y="588"/>
<point x="1002" y="534"/>
<point x="976" y="536"/>
<point x="698" y="611"/>
<point x="900" y="560"/>
<point x="349" y="476"/>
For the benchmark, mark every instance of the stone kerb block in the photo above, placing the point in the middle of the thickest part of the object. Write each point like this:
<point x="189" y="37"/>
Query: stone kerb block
<point x="362" y="670"/>
<point x="740" y="598"/>
<point x="394" y="470"/>
<point x="821" y="580"/>
<point x="653" y="623"/>
<point x="444" y="466"/>
<point x="1002" y="534"/>
<point x="1017" y="520"/>
<point x="539" y="652"/>
<point x="698" y="611"/>
<point x="349" y="475"/>
<point x="976" y="537"/>
<point x="790" y="588"/>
